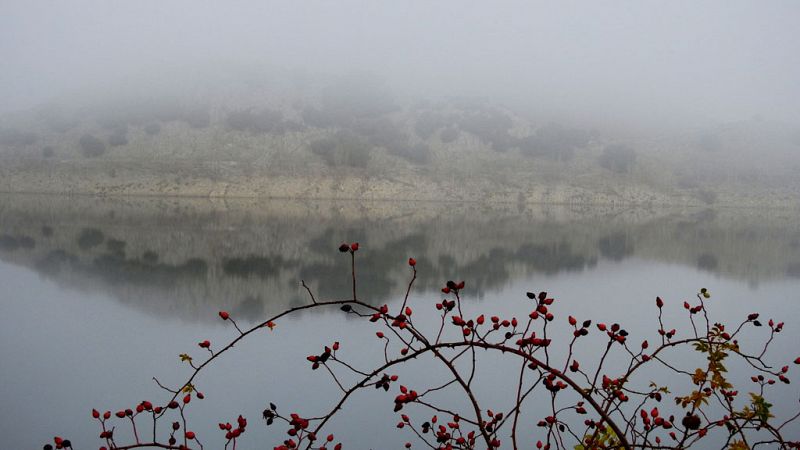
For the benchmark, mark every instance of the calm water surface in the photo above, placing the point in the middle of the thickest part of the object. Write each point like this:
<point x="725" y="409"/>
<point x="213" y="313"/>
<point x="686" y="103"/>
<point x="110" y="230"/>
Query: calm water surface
<point x="100" y="295"/>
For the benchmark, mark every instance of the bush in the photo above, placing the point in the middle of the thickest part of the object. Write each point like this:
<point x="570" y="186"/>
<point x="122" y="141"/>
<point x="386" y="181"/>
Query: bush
<point x="554" y="142"/>
<point x="197" y="118"/>
<point x="152" y="129"/>
<point x="449" y="134"/>
<point x="320" y="118"/>
<point x="117" y="139"/>
<point x="631" y="393"/>
<point x="124" y="113"/>
<point x="17" y="138"/>
<point x="618" y="158"/>
<point x="343" y="149"/>
<point x="57" y="120"/>
<point x="358" y="96"/>
<point x="417" y="153"/>
<point x="383" y="132"/>
<point x="91" y="146"/>
<point x="429" y="123"/>
<point x="264" y="121"/>
<point x="48" y="151"/>
<point x="490" y="127"/>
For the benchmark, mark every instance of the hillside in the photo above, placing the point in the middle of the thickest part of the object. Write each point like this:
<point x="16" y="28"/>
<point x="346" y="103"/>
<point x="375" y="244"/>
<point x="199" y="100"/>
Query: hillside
<point x="353" y="139"/>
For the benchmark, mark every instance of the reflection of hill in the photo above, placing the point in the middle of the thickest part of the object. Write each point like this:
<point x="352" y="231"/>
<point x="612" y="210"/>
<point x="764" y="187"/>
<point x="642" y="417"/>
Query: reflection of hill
<point x="157" y="254"/>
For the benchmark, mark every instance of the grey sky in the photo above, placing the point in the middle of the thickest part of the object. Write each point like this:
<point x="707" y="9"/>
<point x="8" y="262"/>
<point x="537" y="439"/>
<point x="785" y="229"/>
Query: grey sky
<point x="668" y="61"/>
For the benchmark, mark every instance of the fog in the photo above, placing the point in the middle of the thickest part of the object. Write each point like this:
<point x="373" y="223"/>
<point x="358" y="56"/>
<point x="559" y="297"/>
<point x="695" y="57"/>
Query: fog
<point x="612" y="64"/>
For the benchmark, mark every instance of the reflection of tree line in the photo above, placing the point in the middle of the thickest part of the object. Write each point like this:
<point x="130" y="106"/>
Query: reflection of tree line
<point x="255" y="269"/>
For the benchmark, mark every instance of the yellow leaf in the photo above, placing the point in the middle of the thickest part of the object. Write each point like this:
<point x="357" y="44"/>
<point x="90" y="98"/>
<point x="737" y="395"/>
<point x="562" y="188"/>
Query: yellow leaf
<point x="738" y="445"/>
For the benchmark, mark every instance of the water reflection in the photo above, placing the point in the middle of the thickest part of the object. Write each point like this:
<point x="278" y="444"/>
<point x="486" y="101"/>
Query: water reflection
<point x="193" y="256"/>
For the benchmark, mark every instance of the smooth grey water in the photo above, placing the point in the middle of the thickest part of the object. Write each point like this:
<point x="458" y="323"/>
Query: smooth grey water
<point x="100" y="295"/>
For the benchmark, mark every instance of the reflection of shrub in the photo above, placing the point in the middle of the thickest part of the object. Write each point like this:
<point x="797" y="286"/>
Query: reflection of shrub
<point x="261" y="266"/>
<point x="554" y="142"/>
<point x="344" y="149"/>
<point x="449" y="135"/>
<point x="265" y="121"/>
<point x="615" y="246"/>
<point x="706" y="196"/>
<point x="16" y="137"/>
<point x="11" y="243"/>
<point x="91" y="146"/>
<point x="48" y="151"/>
<point x="117" y="139"/>
<point x="116" y="246"/>
<point x="90" y="238"/>
<point x="150" y="257"/>
<point x="707" y="261"/>
<point x="617" y="158"/>
<point x="8" y="243"/>
<point x="152" y="129"/>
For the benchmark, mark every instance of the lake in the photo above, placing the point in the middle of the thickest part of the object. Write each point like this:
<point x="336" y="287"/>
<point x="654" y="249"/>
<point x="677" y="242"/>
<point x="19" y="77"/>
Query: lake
<point x="99" y="295"/>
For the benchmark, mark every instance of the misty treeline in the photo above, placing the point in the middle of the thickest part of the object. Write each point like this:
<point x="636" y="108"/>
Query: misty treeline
<point x="357" y="124"/>
<point x="352" y="117"/>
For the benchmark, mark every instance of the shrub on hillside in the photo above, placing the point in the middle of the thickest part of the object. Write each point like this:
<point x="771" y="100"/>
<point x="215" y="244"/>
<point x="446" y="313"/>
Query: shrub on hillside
<point x="428" y="123"/>
<point x="264" y="121"/>
<point x="57" y="120"/>
<point x="320" y="118"/>
<point x="152" y="129"/>
<point x="490" y="127"/>
<point x="359" y="96"/>
<point x="384" y="132"/>
<point x="554" y="142"/>
<point x="12" y="136"/>
<point x="343" y="149"/>
<point x="117" y="139"/>
<point x="618" y="158"/>
<point x="197" y="117"/>
<point x="91" y="146"/>
<point x="449" y="134"/>
<point x="417" y="153"/>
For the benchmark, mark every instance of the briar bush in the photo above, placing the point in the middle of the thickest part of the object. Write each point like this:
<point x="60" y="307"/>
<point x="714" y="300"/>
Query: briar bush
<point x="634" y="392"/>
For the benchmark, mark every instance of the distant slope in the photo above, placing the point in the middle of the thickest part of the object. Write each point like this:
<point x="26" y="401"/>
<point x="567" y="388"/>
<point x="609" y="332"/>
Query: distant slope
<point x="352" y="139"/>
